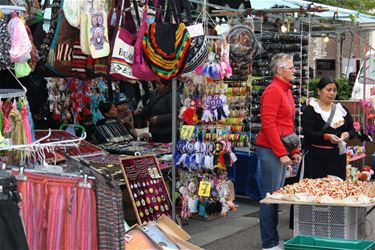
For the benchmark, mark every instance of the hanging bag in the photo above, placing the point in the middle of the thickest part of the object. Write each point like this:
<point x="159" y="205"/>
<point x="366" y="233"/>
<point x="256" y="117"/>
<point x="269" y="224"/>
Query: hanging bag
<point x="72" y="11"/>
<point x="166" y="46"/>
<point x="123" y="49"/>
<point x="101" y="65"/>
<point x="199" y="46"/>
<point x="141" y="70"/>
<point x="97" y="31"/>
<point x="60" y="54"/>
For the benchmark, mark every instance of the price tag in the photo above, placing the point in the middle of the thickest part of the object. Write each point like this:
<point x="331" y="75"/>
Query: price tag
<point x="195" y="30"/>
<point x="186" y="132"/>
<point x="204" y="188"/>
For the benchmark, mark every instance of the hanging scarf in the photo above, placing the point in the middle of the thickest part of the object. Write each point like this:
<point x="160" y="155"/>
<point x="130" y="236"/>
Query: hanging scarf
<point x="26" y="123"/>
<point x="30" y="121"/>
<point x="18" y="133"/>
<point x="1" y="118"/>
<point x="6" y="108"/>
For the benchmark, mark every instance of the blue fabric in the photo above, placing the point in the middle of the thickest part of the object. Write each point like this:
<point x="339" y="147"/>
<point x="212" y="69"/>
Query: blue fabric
<point x="272" y="177"/>
<point x="246" y="175"/>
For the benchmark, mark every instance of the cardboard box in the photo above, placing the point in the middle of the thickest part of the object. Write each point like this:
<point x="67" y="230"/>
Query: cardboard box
<point x="142" y="243"/>
<point x="175" y="233"/>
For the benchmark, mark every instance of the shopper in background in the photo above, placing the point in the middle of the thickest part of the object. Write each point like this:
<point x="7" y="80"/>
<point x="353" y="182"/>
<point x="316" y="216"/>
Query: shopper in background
<point x="159" y="112"/>
<point x="324" y="139"/>
<point x="277" y="120"/>
<point x="108" y="110"/>
<point x="125" y="115"/>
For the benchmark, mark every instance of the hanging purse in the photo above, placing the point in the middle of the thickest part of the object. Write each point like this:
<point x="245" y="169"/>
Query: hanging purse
<point x="101" y="65"/>
<point x="97" y="31"/>
<point x="79" y="61"/>
<point x="141" y="70"/>
<point x="199" y="46"/>
<point x="123" y="49"/>
<point x="60" y="55"/>
<point x="72" y="11"/>
<point x="166" y="46"/>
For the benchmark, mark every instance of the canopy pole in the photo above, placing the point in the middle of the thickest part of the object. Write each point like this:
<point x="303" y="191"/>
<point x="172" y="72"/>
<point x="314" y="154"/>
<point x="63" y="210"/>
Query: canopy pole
<point x="174" y="138"/>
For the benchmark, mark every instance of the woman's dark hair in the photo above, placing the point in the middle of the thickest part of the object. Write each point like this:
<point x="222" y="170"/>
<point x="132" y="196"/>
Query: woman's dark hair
<point x="104" y="107"/>
<point x="165" y="82"/>
<point x="324" y="81"/>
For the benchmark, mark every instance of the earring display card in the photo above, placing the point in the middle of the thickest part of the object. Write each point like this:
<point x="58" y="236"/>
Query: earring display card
<point x="147" y="189"/>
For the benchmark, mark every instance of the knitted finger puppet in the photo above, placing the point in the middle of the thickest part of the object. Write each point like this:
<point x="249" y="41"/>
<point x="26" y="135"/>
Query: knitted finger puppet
<point x="190" y="114"/>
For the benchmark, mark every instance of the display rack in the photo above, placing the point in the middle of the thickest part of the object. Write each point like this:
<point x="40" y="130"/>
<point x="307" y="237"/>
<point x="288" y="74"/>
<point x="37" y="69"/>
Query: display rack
<point x="13" y="93"/>
<point x="7" y="9"/>
<point x="273" y="43"/>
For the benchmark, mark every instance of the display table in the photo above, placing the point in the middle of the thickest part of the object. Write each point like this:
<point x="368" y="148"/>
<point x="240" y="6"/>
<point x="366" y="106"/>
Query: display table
<point x="335" y="220"/>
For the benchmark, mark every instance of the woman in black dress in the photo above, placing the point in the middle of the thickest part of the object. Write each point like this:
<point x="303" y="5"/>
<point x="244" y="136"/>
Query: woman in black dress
<point x="322" y="156"/>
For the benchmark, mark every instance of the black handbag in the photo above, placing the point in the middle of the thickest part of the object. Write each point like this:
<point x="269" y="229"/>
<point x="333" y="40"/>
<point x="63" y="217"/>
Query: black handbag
<point x="291" y="141"/>
<point x="199" y="45"/>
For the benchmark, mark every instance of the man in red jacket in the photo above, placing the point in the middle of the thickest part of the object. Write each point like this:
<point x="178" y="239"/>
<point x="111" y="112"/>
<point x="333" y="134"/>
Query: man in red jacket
<point x="277" y="112"/>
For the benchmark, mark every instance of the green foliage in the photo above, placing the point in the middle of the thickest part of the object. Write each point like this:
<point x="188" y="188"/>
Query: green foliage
<point x="363" y="6"/>
<point x="345" y="89"/>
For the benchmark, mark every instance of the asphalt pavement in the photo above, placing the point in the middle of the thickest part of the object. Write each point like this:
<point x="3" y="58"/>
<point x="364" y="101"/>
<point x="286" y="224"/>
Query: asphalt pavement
<point x="238" y="230"/>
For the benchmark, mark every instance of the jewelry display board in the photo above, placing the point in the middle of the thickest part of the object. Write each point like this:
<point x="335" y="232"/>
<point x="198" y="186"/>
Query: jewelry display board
<point x="147" y="189"/>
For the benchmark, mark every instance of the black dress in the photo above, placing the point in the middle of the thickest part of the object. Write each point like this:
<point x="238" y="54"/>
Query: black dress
<point x="322" y="157"/>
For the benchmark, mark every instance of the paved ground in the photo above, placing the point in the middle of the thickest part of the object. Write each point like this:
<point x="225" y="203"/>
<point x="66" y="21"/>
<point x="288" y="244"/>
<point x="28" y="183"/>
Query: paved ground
<point x="239" y="230"/>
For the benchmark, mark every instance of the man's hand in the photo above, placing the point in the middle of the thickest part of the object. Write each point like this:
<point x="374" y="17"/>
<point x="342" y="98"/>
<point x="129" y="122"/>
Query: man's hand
<point x="154" y="120"/>
<point x="285" y="160"/>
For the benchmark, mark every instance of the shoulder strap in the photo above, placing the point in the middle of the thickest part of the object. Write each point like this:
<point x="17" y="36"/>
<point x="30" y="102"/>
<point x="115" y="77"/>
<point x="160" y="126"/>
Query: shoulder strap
<point x="329" y="118"/>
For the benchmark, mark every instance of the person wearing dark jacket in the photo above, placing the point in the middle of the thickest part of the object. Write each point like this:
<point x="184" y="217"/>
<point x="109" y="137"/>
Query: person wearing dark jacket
<point x="321" y="141"/>
<point x="159" y="112"/>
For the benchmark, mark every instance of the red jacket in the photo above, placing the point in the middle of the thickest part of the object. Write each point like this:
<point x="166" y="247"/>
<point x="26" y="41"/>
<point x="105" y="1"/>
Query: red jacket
<point x="277" y="105"/>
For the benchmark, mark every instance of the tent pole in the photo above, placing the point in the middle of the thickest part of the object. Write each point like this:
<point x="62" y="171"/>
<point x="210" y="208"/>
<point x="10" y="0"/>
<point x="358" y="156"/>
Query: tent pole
<point x="174" y="138"/>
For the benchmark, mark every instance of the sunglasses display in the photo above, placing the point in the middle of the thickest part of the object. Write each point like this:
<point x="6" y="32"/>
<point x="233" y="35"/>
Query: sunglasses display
<point x="295" y="44"/>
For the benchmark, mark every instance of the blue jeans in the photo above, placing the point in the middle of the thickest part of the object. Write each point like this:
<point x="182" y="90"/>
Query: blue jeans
<point x="272" y="177"/>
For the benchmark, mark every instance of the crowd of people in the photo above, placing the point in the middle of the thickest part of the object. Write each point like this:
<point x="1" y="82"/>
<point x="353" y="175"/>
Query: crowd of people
<point x="327" y="126"/>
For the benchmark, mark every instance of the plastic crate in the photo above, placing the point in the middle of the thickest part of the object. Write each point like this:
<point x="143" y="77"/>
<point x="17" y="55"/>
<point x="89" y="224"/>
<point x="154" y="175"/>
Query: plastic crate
<point x="328" y="221"/>
<point x="315" y="242"/>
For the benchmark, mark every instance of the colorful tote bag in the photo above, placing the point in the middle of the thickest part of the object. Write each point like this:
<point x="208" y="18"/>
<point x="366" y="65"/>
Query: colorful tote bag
<point x="123" y="49"/>
<point x="166" y="47"/>
<point x="141" y="70"/>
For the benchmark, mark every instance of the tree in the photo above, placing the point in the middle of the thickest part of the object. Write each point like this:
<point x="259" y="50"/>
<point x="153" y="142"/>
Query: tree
<point x="363" y="6"/>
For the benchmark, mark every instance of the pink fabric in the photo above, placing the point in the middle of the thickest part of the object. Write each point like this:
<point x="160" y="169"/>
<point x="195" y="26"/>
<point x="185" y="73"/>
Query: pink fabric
<point x="57" y="213"/>
<point x="26" y="123"/>
<point x="140" y="68"/>
<point x="21" y="45"/>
